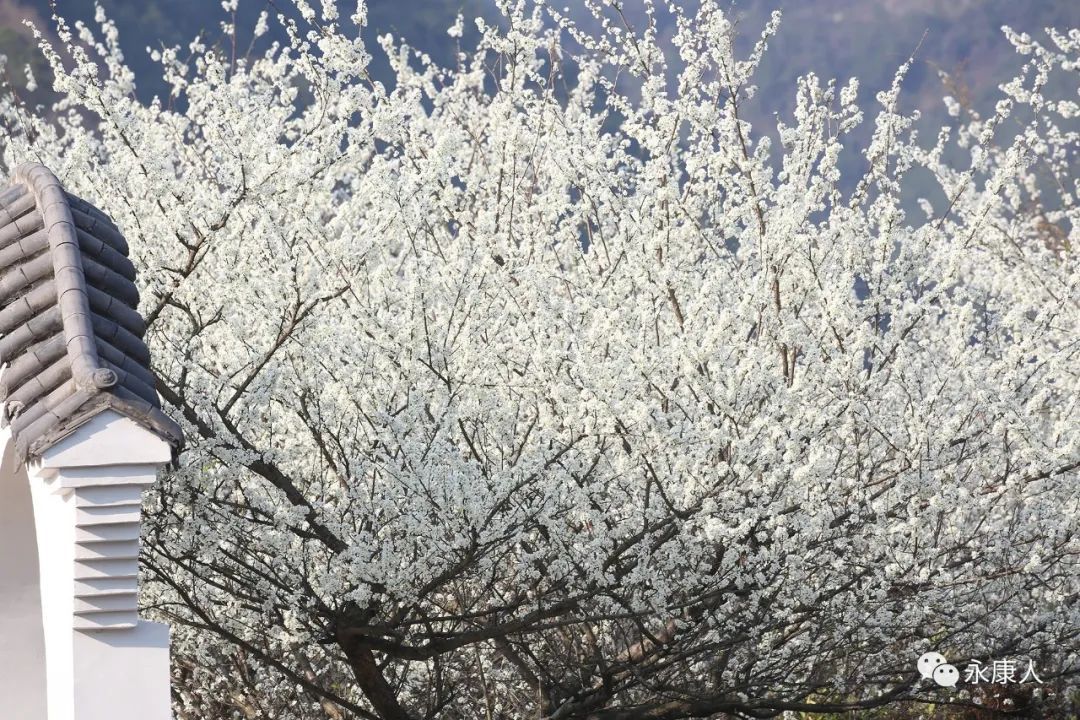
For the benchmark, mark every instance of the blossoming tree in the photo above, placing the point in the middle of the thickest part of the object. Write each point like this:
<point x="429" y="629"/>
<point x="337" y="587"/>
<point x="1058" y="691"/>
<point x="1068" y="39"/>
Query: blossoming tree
<point x="546" y="386"/>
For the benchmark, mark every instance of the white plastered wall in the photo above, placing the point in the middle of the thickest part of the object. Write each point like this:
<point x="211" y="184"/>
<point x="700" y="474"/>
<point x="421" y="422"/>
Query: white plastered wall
<point x="77" y="648"/>
<point x="22" y="645"/>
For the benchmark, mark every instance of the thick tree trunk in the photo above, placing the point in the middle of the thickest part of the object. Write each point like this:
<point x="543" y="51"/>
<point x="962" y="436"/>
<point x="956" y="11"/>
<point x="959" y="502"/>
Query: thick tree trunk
<point x="371" y="680"/>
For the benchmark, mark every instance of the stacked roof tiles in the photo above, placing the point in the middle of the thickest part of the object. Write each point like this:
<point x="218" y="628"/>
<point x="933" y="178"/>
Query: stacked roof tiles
<point x="70" y="337"/>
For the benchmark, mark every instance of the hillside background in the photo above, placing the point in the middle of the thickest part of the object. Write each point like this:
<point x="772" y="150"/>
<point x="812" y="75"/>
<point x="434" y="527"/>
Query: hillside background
<point x="833" y="38"/>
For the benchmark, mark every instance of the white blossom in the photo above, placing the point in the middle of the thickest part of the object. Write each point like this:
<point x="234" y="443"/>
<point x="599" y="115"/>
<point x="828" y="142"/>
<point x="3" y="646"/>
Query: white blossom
<point x="546" y="379"/>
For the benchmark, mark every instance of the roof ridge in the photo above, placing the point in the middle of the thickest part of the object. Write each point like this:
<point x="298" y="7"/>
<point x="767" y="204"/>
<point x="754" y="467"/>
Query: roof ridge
<point x="86" y="367"/>
<point x="71" y="346"/>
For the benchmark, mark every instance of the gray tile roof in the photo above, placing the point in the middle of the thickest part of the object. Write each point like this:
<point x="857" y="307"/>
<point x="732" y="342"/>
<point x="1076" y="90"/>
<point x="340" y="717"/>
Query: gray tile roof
<point x="70" y="337"/>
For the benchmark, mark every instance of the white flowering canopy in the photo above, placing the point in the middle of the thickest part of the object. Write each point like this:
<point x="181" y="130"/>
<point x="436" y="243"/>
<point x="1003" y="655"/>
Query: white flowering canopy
<point x="546" y="386"/>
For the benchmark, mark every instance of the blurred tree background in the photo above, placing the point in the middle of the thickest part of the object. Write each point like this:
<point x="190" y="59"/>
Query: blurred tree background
<point x="838" y="39"/>
<point x="833" y="38"/>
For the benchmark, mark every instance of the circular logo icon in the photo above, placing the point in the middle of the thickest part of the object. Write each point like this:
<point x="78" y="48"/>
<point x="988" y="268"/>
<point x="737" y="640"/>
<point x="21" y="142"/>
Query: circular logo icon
<point x="946" y="675"/>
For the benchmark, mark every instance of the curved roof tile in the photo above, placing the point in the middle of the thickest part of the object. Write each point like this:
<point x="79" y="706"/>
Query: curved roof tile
<point x="70" y="336"/>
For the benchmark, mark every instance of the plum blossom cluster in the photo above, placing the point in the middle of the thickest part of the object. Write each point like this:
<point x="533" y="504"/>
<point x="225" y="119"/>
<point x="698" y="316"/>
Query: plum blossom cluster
<point x="545" y="385"/>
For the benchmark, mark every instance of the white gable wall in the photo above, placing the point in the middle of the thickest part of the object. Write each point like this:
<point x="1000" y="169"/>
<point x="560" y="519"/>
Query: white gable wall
<point x="100" y="661"/>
